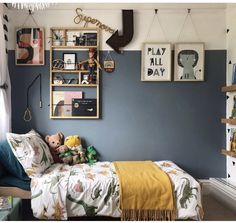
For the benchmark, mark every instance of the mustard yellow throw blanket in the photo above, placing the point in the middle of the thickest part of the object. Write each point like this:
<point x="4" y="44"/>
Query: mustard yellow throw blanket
<point x="145" y="192"/>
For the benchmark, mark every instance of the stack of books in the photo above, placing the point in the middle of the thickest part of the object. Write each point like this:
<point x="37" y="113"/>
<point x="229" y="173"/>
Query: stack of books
<point x="5" y="203"/>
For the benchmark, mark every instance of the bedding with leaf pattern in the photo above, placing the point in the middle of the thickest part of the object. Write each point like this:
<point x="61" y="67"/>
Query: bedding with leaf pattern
<point x="89" y="190"/>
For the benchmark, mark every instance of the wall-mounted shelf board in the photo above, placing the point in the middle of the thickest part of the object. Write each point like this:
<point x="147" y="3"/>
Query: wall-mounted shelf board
<point x="231" y="121"/>
<point x="73" y="47"/>
<point x="69" y="71"/>
<point x="74" y="85"/>
<point x="74" y="117"/>
<point x="229" y="88"/>
<point x="228" y="153"/>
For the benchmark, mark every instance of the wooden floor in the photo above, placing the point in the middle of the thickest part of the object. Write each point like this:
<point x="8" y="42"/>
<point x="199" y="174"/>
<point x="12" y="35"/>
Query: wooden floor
<point x="215" y="210"/>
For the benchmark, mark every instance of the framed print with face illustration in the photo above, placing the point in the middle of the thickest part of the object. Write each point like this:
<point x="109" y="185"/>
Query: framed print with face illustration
<point x="156" y="62"/>
<point x="189" y="62"/>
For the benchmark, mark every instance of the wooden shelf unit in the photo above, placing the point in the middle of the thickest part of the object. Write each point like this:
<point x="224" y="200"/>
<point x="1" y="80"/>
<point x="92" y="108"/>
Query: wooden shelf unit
<point x="74" y="49"/>
<point x="228" y="153"/>
<point x="229" y="88"/>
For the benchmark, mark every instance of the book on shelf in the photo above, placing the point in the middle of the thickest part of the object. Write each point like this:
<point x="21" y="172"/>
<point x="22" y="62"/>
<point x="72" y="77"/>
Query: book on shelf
<point x="5" y="203"/>
<point x="233" y="139"/>
<point x="62" y="102"/>
<point x="234" y="74"/>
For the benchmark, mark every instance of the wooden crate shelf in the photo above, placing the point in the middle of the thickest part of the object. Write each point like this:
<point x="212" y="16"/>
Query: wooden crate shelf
<point x="230" y="121"/>
<point x="228" y="153"/>
<point x="229" y="88"/>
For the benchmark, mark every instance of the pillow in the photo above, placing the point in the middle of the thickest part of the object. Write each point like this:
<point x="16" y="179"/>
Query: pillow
<point x="9" y="163"/>
<point x="31" y="151"/>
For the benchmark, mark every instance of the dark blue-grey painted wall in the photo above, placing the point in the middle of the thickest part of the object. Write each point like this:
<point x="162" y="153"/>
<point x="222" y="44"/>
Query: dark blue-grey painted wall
<point x="140" y="120"/>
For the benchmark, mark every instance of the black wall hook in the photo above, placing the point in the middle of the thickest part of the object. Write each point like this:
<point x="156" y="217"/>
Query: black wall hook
<point x="6" y="37"/>
<point x="5" y="17"/>
<point x="227" y="30"/>
<point x="156" y="10"/>
<point x="5" y="27"/>
<point x="189" y="11"/>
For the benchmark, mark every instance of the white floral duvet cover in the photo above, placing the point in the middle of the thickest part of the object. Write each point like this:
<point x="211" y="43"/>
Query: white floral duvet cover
<point x="88" y="190"/>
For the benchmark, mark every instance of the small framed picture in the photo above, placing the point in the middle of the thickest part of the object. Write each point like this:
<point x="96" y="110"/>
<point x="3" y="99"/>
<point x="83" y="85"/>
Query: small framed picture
<point x="189" y="62"/>
<point x="69" y="61"/>
<point x="156" y="62"/>
<point x="90" y="39"/>
<point x="109" y="65"/>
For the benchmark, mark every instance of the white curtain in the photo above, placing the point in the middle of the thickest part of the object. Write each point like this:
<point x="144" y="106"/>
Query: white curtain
<point x="5" y="94"/>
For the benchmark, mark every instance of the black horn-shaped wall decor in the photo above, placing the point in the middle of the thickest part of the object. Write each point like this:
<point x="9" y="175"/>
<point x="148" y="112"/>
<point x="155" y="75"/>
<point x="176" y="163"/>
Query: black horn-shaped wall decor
<point x="116" y="41"/>
<point x="5" y="17"/>
<point x="5" y="27"/>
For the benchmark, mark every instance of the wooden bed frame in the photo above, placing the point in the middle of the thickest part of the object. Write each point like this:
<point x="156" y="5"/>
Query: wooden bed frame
<point x="15" y="192"/>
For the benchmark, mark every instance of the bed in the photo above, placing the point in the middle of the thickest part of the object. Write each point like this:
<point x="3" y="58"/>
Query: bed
<point x="61" y="191"/>
<point x="82" y="190"/>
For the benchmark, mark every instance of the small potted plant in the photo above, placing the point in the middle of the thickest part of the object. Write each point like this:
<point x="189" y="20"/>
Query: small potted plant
<point x="57" y="38"/>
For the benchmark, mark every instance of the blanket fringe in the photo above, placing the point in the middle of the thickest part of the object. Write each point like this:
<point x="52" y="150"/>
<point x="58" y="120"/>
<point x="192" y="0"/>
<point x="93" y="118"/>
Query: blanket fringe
<point x="148" y="215"/>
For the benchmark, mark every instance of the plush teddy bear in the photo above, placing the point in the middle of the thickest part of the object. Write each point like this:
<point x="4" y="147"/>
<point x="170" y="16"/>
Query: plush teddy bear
<point x="55" y="143"/>
<point x="91" y="155"/>
<point x="74" y="144"/>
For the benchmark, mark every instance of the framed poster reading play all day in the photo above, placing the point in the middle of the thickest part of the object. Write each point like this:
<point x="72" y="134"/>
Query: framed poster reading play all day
<point x="156" y="62"/>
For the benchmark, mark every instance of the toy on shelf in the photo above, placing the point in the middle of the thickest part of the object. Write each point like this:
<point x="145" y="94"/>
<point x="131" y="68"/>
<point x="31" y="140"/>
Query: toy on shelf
<point x="92" y="63"/>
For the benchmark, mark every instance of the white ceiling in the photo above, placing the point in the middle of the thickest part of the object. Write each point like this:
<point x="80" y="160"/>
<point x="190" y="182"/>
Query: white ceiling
<point x="136" y="6"/>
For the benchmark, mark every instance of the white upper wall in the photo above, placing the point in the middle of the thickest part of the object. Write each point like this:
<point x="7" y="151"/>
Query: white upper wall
<point x="1" y="8"/>
<point x="209" y="20"/>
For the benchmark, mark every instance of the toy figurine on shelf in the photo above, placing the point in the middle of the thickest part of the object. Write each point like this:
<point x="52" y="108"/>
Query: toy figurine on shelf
<point x="92" y="63"/>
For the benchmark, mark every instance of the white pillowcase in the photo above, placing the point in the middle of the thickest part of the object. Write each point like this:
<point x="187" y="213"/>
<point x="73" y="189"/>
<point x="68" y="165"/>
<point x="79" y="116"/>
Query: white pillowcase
<point x="31" y="151"/>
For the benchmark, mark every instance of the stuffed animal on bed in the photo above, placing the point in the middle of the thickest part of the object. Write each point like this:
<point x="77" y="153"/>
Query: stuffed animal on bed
<point x="78" y="153"/>
<point x="55" y="143"/>
<point x="65" y="154"/>
<point x="91" y="155"/>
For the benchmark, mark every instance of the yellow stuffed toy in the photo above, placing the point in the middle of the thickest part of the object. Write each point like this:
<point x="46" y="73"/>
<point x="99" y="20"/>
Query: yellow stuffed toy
<point x="74" y="144"/>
